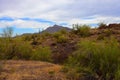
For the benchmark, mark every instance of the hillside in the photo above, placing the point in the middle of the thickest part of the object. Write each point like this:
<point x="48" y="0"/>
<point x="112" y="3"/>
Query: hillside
<point x="84" y="53"/>
<point x="62" y="44"/>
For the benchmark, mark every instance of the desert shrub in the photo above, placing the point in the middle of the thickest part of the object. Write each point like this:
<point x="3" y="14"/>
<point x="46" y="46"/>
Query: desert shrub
<point x="1" y="50"/>
<point x="117" y="74"/>
<point x="34" y="39"/>
<point x="105" y="33"/>
<point x="6" y="46"/>
<point x="108" y="32"/>
<point x="102" y="25"/>
<point x="60" y="38"/>
<point x="57" y="34"/>
<point x="64" y="69"/>
<point x="1" y="66"/>
<point x="6" y="49"/>
<point x="18" y="49"/>
<point x="96" y="61"/>
<point x="22" y="50"/>
<point x="42" y="54"/>
<point x="63" y="31"/>
<point x="81" y="30"/>
<point x="26" y="37"/>
<point x="73" y="75"/>
<point x="46" y="34"/>
<point x="7" y="33"/>
<point x="100" y="37"/>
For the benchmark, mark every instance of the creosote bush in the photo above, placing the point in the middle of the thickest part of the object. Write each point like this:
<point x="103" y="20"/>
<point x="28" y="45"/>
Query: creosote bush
<point x="63" y="31"/>
<point x="60" y="36"/>
<point x="81" y="30"/>
<point x="101" y="37"/>
<point x="42" y="54"/>
<point x="96" y="60"/>
<point x="102" y="25"/>
<point x="11" y="48"/>
<point x="61" y="39"/>
<point x="22" y="50"/>
<point x="15" y="50"/>
<point x="108" y="32"/>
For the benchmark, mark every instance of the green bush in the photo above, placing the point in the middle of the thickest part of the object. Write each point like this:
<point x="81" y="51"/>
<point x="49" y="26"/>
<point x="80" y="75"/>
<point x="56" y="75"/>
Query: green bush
<point x="22" y="50"/>
<point x="42" y="54"/>
<point x="1" y="50"/>
<point x="60" y="38"/>
<point x="63" y="31"/>
<point x="18" y="49"/>
<point x="46" y="34"/>
<point x="108" y="32"/>
<point x="117" y="75"/>
<point x="56" y="34"/>
<point x="6" y="49"/>
<point x="82" y="30"/>
<point x="100" y="37"/>
<point x="7" y="33"/>
<point x="105" y="33"/>
<point x="1" y="66"/>
<point x="98" y="61"/>
<point x="102" y="25"/>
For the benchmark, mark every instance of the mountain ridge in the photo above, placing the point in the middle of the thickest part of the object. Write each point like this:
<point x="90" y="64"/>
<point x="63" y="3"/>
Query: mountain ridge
<point x="56" y="28"/>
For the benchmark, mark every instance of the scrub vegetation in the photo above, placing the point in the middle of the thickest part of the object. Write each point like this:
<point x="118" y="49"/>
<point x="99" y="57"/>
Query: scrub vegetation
<point x="83" y="53"/>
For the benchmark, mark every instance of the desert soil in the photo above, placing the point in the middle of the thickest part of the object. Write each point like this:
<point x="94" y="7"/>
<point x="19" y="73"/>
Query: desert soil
<point x="30" y="70"/>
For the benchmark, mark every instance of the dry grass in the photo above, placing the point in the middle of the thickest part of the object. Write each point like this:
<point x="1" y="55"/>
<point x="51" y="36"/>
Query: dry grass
<point x="30" y="70"/>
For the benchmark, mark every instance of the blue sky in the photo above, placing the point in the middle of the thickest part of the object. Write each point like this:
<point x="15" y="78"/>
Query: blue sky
<point x="28" y="16"/>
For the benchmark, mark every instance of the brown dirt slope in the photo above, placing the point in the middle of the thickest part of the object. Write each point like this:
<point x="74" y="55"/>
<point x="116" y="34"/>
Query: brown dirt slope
<point x="30" y="70"/>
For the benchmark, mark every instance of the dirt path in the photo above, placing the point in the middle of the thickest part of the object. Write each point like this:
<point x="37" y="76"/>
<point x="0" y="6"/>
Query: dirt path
<point x="30" y="70"/>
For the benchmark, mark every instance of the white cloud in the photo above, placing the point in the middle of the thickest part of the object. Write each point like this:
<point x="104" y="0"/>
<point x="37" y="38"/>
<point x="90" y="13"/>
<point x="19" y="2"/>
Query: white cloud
<point x="95" y="20"/>
<point x="24" y="24"/>
<point x="35" y="25"/>
<point x="59" y="11"/>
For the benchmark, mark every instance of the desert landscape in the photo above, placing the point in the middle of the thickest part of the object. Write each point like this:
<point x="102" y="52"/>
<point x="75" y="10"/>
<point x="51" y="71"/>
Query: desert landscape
<point x="57" y="55"/>
<point x="59" y="39"/>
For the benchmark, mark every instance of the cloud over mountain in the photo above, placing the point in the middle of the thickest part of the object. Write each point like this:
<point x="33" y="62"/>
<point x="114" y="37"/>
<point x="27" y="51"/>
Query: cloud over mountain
<point x="25" y="12"/>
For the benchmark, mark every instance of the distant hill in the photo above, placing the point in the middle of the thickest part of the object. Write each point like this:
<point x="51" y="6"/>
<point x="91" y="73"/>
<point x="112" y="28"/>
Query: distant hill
<point x="56" y="28"/>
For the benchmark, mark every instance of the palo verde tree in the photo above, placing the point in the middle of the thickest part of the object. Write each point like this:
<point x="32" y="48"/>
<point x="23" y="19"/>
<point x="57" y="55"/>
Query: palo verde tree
<point x="7" y="33"/>
<point x="6" y="45"/>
